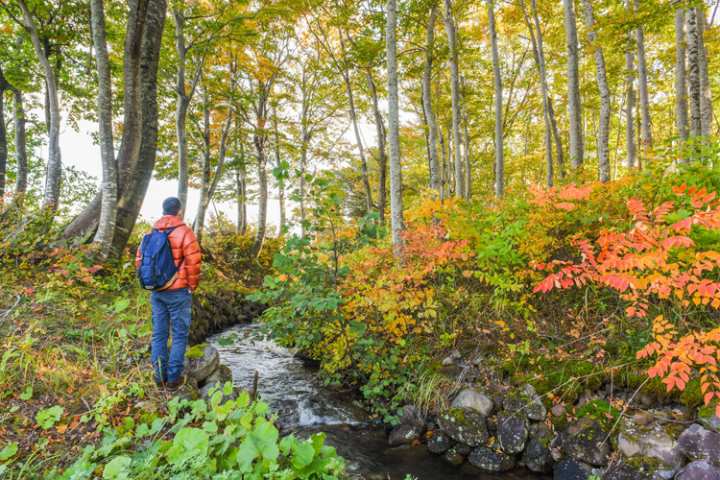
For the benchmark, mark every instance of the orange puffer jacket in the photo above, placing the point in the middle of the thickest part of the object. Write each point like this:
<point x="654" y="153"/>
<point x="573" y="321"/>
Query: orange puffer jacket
<point x="185" y="250"/>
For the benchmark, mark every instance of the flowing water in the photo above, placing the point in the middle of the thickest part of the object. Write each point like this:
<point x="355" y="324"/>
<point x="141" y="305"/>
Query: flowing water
<point x="305" y="406"/>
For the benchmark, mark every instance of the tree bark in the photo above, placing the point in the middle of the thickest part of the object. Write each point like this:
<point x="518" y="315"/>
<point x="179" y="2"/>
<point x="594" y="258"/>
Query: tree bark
<point x="574" y="106"/>
<point x="140" y="173"/>
<point x="240" y="182"/>
<point x="455" y="98"/>
<point x="281" y="181"/>
<point x="603" y="135"/>
<point x="87" y="221"/>
<point x="706" y="106"/>
<point x="260" y="141"/>
<point x="694" y="87"/>
<point x="3" y="138"/>
<point x="645" y="126"/>
<point x="53" y="177"/>
<point x="435" y="181"/>
<point x="396" y="203"/>
<point x="681" y="102"/>
<point x="382" y="156"/>
<point x="631" y="148"/>
<point x="21" y="177"/>
<point x="499" y="157"/>
<point x="205" y="168"/>
<point x="109" y="186"/>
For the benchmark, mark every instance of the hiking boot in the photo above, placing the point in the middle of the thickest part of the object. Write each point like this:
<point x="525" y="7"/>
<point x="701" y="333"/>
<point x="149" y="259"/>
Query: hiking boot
<point x="175" y="384"/>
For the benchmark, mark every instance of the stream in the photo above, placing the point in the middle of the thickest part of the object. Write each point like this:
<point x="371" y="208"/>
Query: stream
<point x="304" y="406"/>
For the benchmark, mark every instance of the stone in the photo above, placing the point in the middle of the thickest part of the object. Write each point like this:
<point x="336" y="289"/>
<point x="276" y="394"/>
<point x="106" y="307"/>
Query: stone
<point x="412" y="416"/>
<point x="585" y="440"/>
<point x="452" y="358"/>
<point x="535" y="408"/>
<point x="625" y="471"/>
<point x="439" y="442"/>
<point x="651" y="442"/>
<point x="571" y="469"/>
<point x="453" y="457"/>
<point x="490" y="460"/>
<point x="708" y="419"/>
<point x="558" y="410"/>
<point x="699" y="443"/>
<point x="471" y="398"/>
<point x="699" y="470"/>
<point x="512" y="432"/>
<point x="463" y="449"/>
<point x="642" y="418"/>
<point x="464" y="425"/>
<point x="201" y="368"/>
<point x="403" y="434"/>
<point x="536" y="457"/>
<point x="221" y="375"/>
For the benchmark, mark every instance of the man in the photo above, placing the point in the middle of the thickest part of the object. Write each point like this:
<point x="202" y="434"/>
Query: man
<point x="172" y="303"/>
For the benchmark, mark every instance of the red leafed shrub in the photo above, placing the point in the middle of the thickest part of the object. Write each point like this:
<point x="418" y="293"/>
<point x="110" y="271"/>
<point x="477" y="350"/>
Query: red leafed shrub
<point x="657" y="262"/>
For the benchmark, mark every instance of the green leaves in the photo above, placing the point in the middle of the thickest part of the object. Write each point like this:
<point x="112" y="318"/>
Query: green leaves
<point x="188" y="443"/>
<point x="48" y="417"/>
<point x="260" y="443"/>
<point x="118" y="468"/>
<point x="8" y="451"/>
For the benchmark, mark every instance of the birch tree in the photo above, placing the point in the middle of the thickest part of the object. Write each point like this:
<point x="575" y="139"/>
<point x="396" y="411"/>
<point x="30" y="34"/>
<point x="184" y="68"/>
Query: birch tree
<point x="396" y="202"/>
<point x="455" y="98"/>
<point x="499" y="143"/>
<point x="630" y="146"/>
<point x="434" y="166"/>
<point x="573" y="79"/>
<point x="681" y="103"/>
<point x="645" y="132"/>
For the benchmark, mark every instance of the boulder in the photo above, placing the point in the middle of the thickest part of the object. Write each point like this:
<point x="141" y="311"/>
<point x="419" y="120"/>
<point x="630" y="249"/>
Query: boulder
<point x="536" y="456"/>
<point x="571" y="469"/>
<point x="490" y="460"/>
<point x="439" y="442"/>
<point x="651" y="442"/>
<point x="464" y="425"/>
<point x="221" y="375"/>
<point x="708" y="419"/>
<point x="411" y="415"/>
<point x="699" y="470"/>
<point x="404" y="434"/>
<point x="471" y="398"/>
<point x="585" y="440"/>
<point x="453" y="457"/>
<point x="512" y="431"/>
<point x="463" y="449"/>
<point x="202" y="367"/>
<point x="699" y="443"/>
<point x="527" y="400"/>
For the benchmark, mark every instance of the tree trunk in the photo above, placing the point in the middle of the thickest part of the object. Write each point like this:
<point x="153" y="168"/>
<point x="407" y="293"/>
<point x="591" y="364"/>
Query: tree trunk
<point x="241" y="183"/>
<point x="205" y="169"/>
<point x="281" y="180"/>
<point x="603" y="135"/>
<point x="140" y="172"/>
<point x="109" y="186"/>
<point x="499" y="158"/>
<point x="356" y="129"/>
<point x="396" y="203"/>
<point x="645" y="132"/>
<point x="466" y="157"/>
<point x="455" y="97"/>
<point x="681" y="103"/>
<point x="21" y="177"/>
<point x="260" y="140"/>
<point x="435" y="182"/>
<point x="694" y="87"/>
<point x="574" y="106"/>
<point x="443" y="167"/>
<point x="706" y="107"/>
<point x="382" y="156"/>
<point x="53" y="177"/>
<point x="539" y="54"/>
<point x="631" y="159"/>
<point x="3" y="139"/>
<point x="87" y="221"/>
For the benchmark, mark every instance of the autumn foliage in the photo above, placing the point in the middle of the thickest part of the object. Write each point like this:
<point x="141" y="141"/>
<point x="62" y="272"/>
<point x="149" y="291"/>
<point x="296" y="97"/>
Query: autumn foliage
<point x="659" y="263"/>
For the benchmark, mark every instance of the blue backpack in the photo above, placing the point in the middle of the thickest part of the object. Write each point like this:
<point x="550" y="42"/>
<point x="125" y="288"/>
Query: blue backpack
<point x="157" y="266"/>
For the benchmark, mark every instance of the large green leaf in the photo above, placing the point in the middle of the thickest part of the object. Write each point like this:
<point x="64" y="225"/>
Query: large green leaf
<point x="188" y="443"/>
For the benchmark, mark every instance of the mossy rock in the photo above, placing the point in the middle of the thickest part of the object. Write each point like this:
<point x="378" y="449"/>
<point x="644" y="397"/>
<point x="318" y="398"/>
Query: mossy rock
<point x="464" y="425"/>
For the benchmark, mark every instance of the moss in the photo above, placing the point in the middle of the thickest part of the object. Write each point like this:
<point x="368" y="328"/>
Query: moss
<point x="196" y="351"/>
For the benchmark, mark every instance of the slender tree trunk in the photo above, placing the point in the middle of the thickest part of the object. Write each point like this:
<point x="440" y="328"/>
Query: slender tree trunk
<point x="382" y="156"/>
<point x="603" y="135"/>
<point x="694" y="87"/>
<point x="466" y="157"/>
<point x="260" y="141"/>
<point x="539" y="54"/>
<point x="53" y="177"/>
<point x="21" y="177"/>
<point x="435" y="182"/>
<point x="706" y="107"/>
<point x="140" y="171"/>
<point x="109" y="186"/>
<point x="205" y="168"/>
<point x="631" y="159"/>
<point x="443" y="167"/>
<point x="455" y="97"/>
<point x="241" y="183"/>
<point x="681" y="102"/>
<point x="3" y="139"/>
<point x="574" y="106"/>
<point x="499" y="157"/>
<point x="281" y="180"/>
<point x="645" y="126"/>
<point x="396" y="203"/>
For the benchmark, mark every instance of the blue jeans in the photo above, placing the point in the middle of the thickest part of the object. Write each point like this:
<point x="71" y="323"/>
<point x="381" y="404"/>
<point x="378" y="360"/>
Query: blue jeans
<point x="171" y="310"/>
